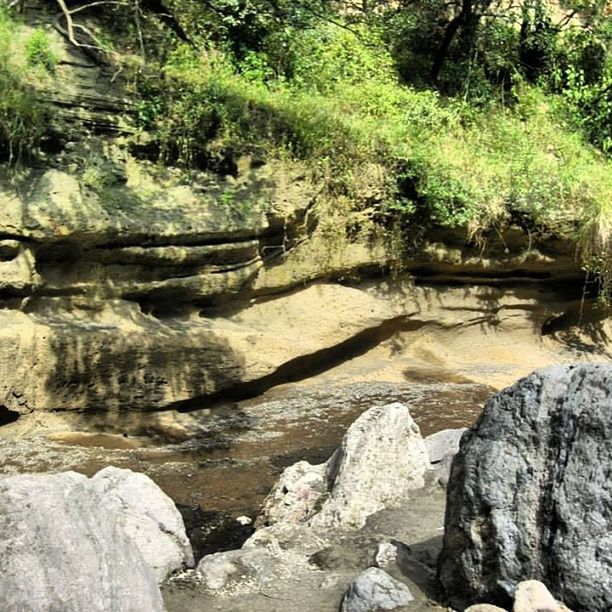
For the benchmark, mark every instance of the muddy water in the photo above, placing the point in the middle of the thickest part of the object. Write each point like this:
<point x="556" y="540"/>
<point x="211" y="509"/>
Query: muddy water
<point x="228" y="457"/>
<point x="236" y="451"/>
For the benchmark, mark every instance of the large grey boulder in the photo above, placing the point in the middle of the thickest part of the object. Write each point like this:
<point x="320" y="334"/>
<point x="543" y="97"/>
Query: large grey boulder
<point x="375" y="590"/>
<point x="63" y="548"/>
<point x="381" y="459"/>
<point x="149" y="518"/>
<point x="530" y="494"/>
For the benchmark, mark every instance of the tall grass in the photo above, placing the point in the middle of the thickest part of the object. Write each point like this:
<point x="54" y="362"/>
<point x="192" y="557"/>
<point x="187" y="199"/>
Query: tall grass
<point x="22" y="117"/>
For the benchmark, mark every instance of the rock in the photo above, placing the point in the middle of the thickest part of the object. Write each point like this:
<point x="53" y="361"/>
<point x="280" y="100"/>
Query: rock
<point x="148" y="516"/>
<point x="392" y="555"/>
<point x="249" y="569"/>
<point x="375" y="590"/>
<point x="238" y="570"/>
<point x="443" y="443"/>
<point x="271" y="554"/>
<point x="282" y="537"/>
<point x="296" y="495"/>
<point x="529" y="495"/>
<point x="442" y="470"/>
<point x="484" y="608"/>
<point x="533" y="596"/>
<point x="62" y="548"/>
<point x="442" y="446"/>
<point x="381" y="459"/>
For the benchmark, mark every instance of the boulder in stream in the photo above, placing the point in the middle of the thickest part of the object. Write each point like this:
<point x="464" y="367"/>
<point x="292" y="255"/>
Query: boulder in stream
<point x="381" y="459"/>
<point x="530" y="496"/>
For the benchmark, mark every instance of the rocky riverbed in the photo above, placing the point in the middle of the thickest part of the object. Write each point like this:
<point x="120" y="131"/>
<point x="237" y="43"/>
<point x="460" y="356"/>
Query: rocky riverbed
<point x="375" y="526"/>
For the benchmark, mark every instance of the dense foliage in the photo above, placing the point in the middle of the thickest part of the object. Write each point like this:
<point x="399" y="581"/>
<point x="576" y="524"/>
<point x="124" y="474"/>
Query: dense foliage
<point x="21" y="116"/>
<point x="468" y="113"/>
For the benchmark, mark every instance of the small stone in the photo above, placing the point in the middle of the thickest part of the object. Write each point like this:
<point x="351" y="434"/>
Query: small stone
<point x="484" y="608"/>
<point x="533" y="596"/>
<point x="295" y="496"/>
<point x="443" y="442"/>
<point x="375" y="590"/>
<point x="391" y="554"/>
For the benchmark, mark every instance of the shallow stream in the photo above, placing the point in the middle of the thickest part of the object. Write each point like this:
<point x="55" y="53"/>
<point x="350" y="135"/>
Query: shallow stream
<point x="230" y="455"/>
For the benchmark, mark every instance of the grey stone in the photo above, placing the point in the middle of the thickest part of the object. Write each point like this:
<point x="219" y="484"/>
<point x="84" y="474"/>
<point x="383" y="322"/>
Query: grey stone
<point x="63" y="549"/>
<point x="484" y="608"/>
<point x="375" y="590"/>
<point x="149" y="518"/>
<point x="443" y="443"/>
<point x="249" y="569"/>
<point x="442" y="469"/>
<point x="530" y="495"/>
<point x="381" y="459"/>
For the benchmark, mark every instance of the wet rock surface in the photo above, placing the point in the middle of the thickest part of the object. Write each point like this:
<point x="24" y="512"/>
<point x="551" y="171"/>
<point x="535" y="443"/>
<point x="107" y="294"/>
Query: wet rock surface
<point x="529" y="494"/>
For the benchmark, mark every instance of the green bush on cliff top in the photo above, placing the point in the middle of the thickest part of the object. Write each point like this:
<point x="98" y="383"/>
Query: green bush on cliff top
<point x="21" y="116"/>
<point x="446" y="162"/>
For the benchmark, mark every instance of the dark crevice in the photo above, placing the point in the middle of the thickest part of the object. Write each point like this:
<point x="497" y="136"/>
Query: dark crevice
<point x="191" y="241"/>
<point x="7" y="416"/>
<point x="305" y="366"/>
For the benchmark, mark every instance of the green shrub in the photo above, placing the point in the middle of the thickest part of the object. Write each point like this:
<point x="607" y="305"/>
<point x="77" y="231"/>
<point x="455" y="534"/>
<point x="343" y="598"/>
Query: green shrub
<point x="39" y="53"/>
<point x="21" y="116"/>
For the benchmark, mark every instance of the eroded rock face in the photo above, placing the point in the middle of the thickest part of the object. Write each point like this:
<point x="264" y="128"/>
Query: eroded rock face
<point x="62" y="548"/>
<point x="530" y="496"/>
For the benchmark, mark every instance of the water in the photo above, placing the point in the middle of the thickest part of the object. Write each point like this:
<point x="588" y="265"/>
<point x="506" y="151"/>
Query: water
<point x="236" y="451"/>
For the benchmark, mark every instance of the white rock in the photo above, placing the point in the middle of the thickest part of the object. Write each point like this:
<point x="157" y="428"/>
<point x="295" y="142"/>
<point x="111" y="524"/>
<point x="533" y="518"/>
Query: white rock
<point x="63" y="548"/>
<point x="533" y="596"/>
<point x="375" y="590"/>
<point x="295" y="496"/>
<point x="441" y="443"/>
<point x="381" y="459"/>
<point x="391" y="555"/>
<point x="248" y="569"/>
<point x="148" y="516"/>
